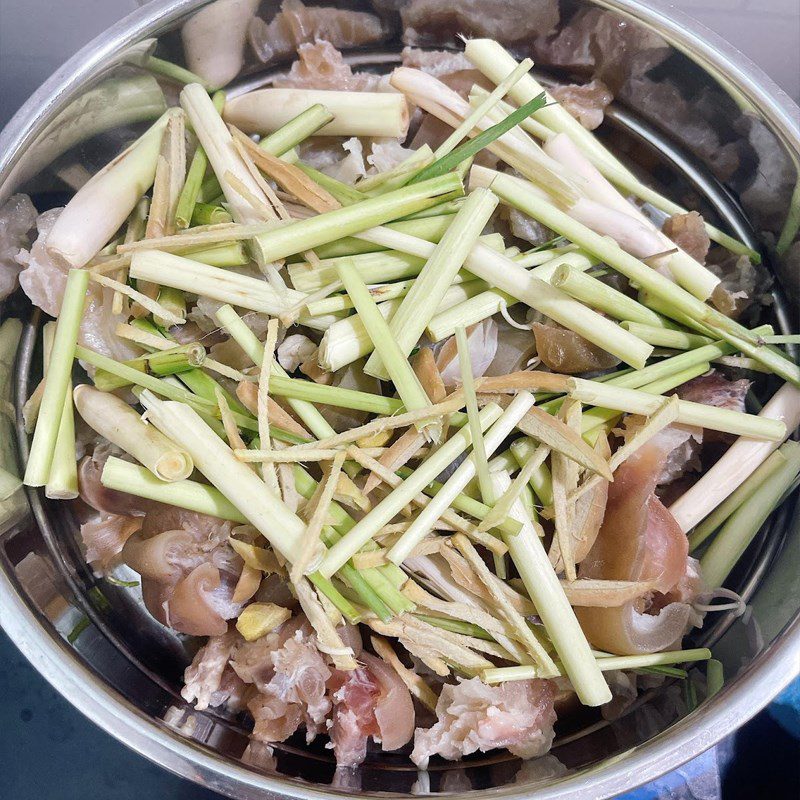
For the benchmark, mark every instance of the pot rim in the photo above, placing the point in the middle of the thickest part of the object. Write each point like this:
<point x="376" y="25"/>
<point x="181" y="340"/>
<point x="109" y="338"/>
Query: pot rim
<point x="770" y="672"/>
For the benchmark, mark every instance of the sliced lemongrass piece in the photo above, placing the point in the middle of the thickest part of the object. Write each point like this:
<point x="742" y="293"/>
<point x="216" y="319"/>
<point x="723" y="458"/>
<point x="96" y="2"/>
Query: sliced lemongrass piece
<point x="343" y="192"/>
<point x="265" y="511"/>
<point x="206" y="214"/>
<point x="354" y="113"/>
<point x="152" y="306"/>
<point x="235" y="440"/>
<point x="166" y="362"/>
<point x="296" y="130"/>
<point x="632" y="401"/>
<point x="446" y="495"/>
<point x="267" y="468"/>
<point x="565" y="480"/>
<point x="402" y="375"/>
<point x="116" y="421"/>
<point x="169" y="179"/>
<point x="741" y="459"/>
<point x="373" y="268"/>
<point x="483" y="108"/>
<point x="664" y="337"/>
<point x="527" y="198"/>
<point x="741" y="527"/>
<point x="62" y="484"/>
<point x="174" y="301"/>
<point x="419" y="306"/>
<point x="306" y="234"/>
<point x="328" y="640"/>
<point x="295" y="455"/>
<point x="228" y="166"/>
<point x="393" y="503"/>
<point x="341" y="302"/>
<point x="547" y="593"/>
<point x="763" y="473"/>
<point x="540" y="480"/>
<point x="603" y="297"/>
<point x="605" y="663"/>
<point x="516" y="149"/>
<point x="101" y="206"/>
<point x="37" y="471"/>
<point x="414" y="683"/>
<point x="399" y="175"/>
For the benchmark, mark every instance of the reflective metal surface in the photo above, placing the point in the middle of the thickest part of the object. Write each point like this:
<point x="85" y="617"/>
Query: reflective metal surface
<point x="736" y="162"/>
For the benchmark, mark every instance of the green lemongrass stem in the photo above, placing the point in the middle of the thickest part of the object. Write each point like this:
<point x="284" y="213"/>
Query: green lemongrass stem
<point x="602" y="297"/>
<point x="307" y="234"/>
<point x="392" y="355"/>
<point x="632" y="401"/>
<point x="212" y="457"/>
<point x="527" y="199"/>
<point x="461" y="157"/>
<point x="297" y="389"/>
<point x="347" y="340"/>
<point x="456" y="626"/>
<point x="663" y="307"/>
<point x="604" y="664"/>
<point x="491" y="301"/>
<point x="741" y="527"/>
<point x="254" y="349"/>
<point x="540" y="481"/>
<point x="194" y="178"/>
<point x="343" y="192"/>
<point x="206" y="214"/>
<point x="445" y="495"/>
<point x="509" y="277"/>
<point x="226" y="162"/>
<point x="115" y="420"/>
<point x="763" y="473"/>
<point x="395" y="501"/>
<point x="62" y="484"/>
<point x="239" y="290"/>
<point x="166" y="362"/>
<point x="399" y="175"/>
<point x="296" y="130"/>
<point x="478" y="445"/>
<point x="101" y="206"/>
<point x="483" y="108"/>
<point x="494" y="61"/>
<point x="419" y="306"/>
<point x="665" y="337"/>
<point x="10" y="333"/>
<point x="173" y="301"/>
<point x="174" y="72"/>
<point x="58" y="381"/>
<point x="228" y="254"/>
<point x="381" y="292"/>
<point x="715" y="677"/>
<point x="738" y="462"/>
<point x="547" y="593"/>
<point x="354" y="113"/>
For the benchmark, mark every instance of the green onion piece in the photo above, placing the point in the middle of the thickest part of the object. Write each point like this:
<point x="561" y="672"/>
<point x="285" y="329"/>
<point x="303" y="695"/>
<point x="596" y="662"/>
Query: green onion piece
<point x="737" y="533"/>
<point x="397" y="365"/>
<point x="397" y="499"/>
<point x="57" y="385"/>
<point x="480" y="141"/>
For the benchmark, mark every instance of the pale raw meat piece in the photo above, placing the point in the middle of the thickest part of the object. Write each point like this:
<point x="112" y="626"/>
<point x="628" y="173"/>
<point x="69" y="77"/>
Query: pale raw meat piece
<point x="104" y="536"/>
<point x="294" y="350"/>
<point x="321" y="66"/>
<point x="296" y="24"/>
<point x="350" y="168"/>
<point x="563" y="350"/>
<point x="386" y="154"/>
<point x="435" y="62"/>
<point x="94" y="494"/>
<point x="17" y="217"/>
<point x="688" y="231"/>
<point x="472" y="716"/>
<point x="204" y="676"/>
<point x="586" y="102"/>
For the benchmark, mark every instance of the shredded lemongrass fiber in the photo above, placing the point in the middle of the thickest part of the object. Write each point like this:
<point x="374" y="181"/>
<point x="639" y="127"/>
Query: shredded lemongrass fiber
<point x="37" y="471"/>
<point x="267" y="468"/>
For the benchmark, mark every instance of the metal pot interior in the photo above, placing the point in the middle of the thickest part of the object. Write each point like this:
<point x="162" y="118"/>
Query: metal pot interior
<point x="736" y="163"/>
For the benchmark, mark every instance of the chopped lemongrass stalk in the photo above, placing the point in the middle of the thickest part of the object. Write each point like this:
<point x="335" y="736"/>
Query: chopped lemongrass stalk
<point x="166" y="362"/>
<point x="502" y="507"/>
<point x="321" y="501"/>
<point x="341" y="302"/>
<point x="187" y="202"/>
<point x="738" y="531"/>
<point x="478" y="445"/>
<point x="402" y="375"/>
<point x="116" y="421"/>
<point x="206" y="214"/>
<point x="259" y="619"/>
<point x="393" y="503"/>
<point x="235" y="480"/>
<point x="763" y="473"/>
<point x="296" y="130"/>
<point x="59" y="376"/>
<point x="343" y="192"/>
<point x="62" y="484"/>
<point x="294" y="455"/>
<point x="328" y="639"/>
<point x="398" y="175"/>
<point x="604" y="663"/>
<point x="446" y="495"/>
<point x="715" y="677"/>
<point x="664" y="337"/>
<point x="169" y="179"/>
<point x="414" y="682"/>
<point x="101" y="206"/>
<point x="565" y="479"/>
<point x="483" y="108"/>
<point x="174" y="302"/>
<point x="633" y="401"/>
<point x="540" y="481"/>
<point x="528" y="199"/>
<point x="126" y="477"/>
<point x="235" y="440"/>
<point x="174" y="72"/>
<point x="372" y="267"/>
<point x="226" y="162"/>
<point x="515" y="148"/>
<point x="419" y="306"/>
<point x="668" y="311"/>
<point x="602" y="297"/>
<point x="354" y="113"/>
<point x="267" y="468"/>
<point x="306" y="234"/>
<point x="152" y="306"/>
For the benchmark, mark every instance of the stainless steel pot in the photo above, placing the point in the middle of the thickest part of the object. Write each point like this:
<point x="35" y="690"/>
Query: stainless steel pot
<point x="737" y="159"/>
